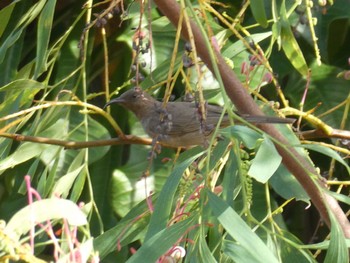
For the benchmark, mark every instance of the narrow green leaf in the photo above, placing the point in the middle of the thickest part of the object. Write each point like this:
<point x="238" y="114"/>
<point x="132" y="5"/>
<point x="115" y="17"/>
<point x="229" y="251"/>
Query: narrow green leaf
<point x="258" y="11"/>
<point x="21" y="26"/>
<point x="266" y="161"/>
<point x="5" y="15"/>
<point x="236" y="252"/>
<point x="290" y="46"/>
<point x="205" y="253"/>
<point x="24" y="152"/>
<point x="44" y="32"/>
<point x="240" y="231"/>
<point x="22" y="84"/>
<point x="31" y="14"/>
<point x="337" y="250"/>
<point x="276" y="34"/>
<point x="231" y="51"/>
<point x="8" y="43"/>
<point x="231" y="179"/>
<point x="41" y="187"/>
<point x="51" y="177"/>
<point x="161" y="242"/>
<point x="218" y="152"/>
<point x="79" y="185"/>
<point x="65" y="183"/>
<point x="31" y="171"/>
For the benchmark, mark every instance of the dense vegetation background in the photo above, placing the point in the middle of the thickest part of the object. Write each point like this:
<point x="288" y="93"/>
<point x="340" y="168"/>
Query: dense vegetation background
<point x="119" y="200"/>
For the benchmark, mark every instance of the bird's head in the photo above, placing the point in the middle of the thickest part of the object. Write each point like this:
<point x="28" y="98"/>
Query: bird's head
<point x="135" y="100"/>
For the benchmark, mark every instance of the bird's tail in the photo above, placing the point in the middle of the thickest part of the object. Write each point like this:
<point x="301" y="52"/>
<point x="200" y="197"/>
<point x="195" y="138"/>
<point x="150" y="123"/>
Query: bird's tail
<point x="267" y="119"/>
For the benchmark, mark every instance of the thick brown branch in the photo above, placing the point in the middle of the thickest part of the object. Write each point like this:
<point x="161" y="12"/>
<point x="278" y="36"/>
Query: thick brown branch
<point x="296" y="164"/>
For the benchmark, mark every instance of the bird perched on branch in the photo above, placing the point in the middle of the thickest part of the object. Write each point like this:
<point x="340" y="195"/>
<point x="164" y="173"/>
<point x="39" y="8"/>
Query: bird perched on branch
<point x="179" y="124"/>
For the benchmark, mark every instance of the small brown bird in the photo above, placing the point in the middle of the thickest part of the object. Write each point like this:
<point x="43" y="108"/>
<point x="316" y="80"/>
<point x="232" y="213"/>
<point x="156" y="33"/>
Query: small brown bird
<point x="179" y="123"/>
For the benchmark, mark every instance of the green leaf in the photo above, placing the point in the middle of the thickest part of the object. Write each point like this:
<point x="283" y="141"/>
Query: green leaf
<point x="276" y="34"/>
<point x="218" y="152"/>
<point x="5" y="15"/>
<point x="258" y="11"/>
<point x="64" y="184"/>
<point x="337" y="251"/>
<point x="9" y="42"/>
<point x="204" y="252"/>
<point x="290" y="45"/>
<point x="327" y="151"/>
<point x="161" y="242"/>
<point x="126" y="192"/>
<point x="44" y="32"/>
<point x="22" y="84"/>
<point x="285" y="184"/>
<point x="255" y="248"/>
<point x="266" y="161"/>
<point x="245" y="134"/>
<point x="31" y="14"/>
<point x="24" y="152"/>
<point x="232" y="177"/>
<point x="292" y="250"/>
<point x="232" y="50"/>
<point x="21" y="26"/>
<point x="78" y="186"/>
<point x="236" y="252"/>
<point x="31" y="171"/>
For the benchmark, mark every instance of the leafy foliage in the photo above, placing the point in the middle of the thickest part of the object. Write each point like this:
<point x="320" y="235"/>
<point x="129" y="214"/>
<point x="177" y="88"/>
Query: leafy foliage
<point x="233" y="201"/>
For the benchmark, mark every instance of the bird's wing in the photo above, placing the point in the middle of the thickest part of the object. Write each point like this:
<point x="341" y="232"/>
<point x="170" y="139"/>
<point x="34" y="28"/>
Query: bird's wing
<point x="186" y="118"/>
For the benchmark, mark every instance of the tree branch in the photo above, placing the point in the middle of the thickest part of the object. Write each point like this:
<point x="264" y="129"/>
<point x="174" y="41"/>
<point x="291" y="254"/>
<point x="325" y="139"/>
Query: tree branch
<point x="127" y="139"/>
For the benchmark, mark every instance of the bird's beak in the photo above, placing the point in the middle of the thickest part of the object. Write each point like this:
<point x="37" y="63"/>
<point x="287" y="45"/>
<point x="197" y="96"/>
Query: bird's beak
<point x="116" y="100"/>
